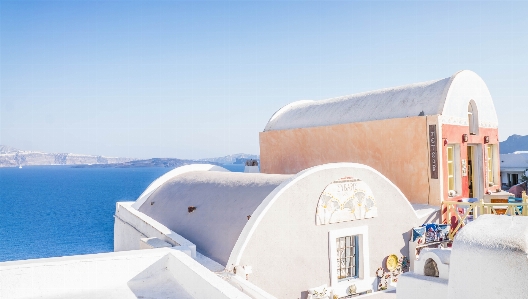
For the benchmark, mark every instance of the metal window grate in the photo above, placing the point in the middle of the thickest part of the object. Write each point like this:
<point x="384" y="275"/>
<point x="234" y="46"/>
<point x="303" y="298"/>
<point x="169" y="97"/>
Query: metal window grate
<point x="347" y="257"/>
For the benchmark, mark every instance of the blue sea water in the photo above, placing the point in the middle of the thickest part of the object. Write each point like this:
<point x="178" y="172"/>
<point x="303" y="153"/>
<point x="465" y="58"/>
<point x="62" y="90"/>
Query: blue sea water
<point x="234" y="167"/>
<point x="48" y="211"/>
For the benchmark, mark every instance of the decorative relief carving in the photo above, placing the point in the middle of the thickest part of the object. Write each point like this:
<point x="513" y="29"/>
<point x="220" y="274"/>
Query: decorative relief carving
<point x="343" y="200"/>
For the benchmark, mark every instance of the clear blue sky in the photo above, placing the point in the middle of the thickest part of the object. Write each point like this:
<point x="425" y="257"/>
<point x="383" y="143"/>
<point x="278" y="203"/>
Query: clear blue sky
<point x="201" y="79"/>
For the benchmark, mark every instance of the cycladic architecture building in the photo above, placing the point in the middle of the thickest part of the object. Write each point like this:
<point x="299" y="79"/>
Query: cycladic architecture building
<point x="342" y="183"/>
<point x="332" y="224"/>
<point x="435" y="140"/>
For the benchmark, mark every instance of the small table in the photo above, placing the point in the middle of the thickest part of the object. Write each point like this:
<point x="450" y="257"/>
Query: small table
<point x="499" y="210"/>
<point x="497" y="195"/>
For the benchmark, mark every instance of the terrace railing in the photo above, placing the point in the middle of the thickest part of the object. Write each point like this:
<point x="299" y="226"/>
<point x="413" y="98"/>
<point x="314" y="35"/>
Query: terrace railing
<point x="459" y="214"/>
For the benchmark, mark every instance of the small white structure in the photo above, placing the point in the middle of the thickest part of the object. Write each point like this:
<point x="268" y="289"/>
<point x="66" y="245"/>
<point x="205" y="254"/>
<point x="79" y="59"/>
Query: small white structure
<point x="513" y="166"/>
<point x="433" y="262"/>
<point x="429" y="278"/>
<point x="488" y="260"/>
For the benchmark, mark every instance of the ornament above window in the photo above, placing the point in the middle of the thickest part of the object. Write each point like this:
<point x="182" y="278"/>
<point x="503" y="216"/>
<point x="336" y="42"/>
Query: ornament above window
<point x="343" y="200"/>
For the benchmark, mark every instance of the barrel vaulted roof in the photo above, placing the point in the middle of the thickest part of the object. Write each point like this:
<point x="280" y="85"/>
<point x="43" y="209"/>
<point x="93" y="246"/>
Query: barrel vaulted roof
<point x="448" y="97"/>
<point x="223" y="201"/>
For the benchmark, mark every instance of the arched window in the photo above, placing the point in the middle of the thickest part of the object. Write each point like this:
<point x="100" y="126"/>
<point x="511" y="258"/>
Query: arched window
<point x="473" y="118"/>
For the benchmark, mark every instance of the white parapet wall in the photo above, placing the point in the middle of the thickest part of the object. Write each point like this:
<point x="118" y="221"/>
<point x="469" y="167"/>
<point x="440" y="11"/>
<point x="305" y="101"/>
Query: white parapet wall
<point x="131" y="226"/>
<point x="155" y="273"/>
<point x="134" y="230"/>
<point x="416" y="286"/>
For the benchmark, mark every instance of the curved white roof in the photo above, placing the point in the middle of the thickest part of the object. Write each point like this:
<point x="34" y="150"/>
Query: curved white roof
<point x="171" y="174"/>
<point x="492" y="232"/>
<point x="491" y="253"/>
<point x="448" y="97"/>
<point x="223" y="200"/>
<point x="273" y="197"/>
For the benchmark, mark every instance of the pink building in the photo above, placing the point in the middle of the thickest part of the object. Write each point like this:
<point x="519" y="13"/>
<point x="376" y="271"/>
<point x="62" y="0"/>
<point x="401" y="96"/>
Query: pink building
<point x="435" y="140"/>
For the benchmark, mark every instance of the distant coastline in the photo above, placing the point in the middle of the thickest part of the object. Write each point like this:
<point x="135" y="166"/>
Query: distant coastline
<point x="12" y="157"/>
<point x="154" y="162"/>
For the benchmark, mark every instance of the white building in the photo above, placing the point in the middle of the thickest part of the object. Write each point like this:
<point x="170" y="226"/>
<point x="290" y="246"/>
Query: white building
<point x="331" y="225"/>
<point x="512" y="167"/>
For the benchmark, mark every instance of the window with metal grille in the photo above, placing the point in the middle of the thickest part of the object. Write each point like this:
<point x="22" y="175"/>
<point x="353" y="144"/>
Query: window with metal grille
<point x="347" y="257"/>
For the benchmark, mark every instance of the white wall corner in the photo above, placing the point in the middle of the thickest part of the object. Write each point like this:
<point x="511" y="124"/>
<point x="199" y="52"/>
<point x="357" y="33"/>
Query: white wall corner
<point x="151" y="243"/>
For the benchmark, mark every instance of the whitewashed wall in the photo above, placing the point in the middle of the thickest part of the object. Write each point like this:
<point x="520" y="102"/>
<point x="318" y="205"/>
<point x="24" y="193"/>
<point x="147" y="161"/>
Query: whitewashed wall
<point x="489" y="259"/>
<point x="289" y="253"/>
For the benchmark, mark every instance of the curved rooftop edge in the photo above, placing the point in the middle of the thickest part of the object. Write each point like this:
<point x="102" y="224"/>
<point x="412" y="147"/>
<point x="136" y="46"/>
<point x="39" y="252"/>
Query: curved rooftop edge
<point x="490" y="252"/>
<point x="171" y="174"/>
<point x="448" y="97"/>
<point x="465" y="86"/>
<point x="267" y="203"/>
<point x="491" y="232"/>
<point x="285" y="108"/>
<point x="209" y="208"/>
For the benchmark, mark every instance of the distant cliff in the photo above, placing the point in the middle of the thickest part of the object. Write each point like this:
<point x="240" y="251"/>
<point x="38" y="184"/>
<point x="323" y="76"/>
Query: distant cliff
<point x="514" y="143"/>
<point x="154" y="162"/>
<point x="12" y="157"/>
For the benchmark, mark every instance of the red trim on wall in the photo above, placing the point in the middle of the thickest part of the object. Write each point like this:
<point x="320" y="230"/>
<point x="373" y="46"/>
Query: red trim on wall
<point x="453" y="134"/>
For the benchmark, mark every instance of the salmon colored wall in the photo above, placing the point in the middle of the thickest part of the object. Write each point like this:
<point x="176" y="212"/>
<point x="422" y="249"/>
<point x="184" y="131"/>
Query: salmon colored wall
<point x="453" y="134"/>
<point x="398" y="148"/>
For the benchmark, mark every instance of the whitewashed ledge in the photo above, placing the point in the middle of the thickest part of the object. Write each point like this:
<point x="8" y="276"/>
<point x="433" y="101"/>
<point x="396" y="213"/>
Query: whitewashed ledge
<point x="153" y="273"/>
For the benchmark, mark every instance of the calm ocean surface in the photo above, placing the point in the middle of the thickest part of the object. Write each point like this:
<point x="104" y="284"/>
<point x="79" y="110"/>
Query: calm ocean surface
<point x="50" y="211"/>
